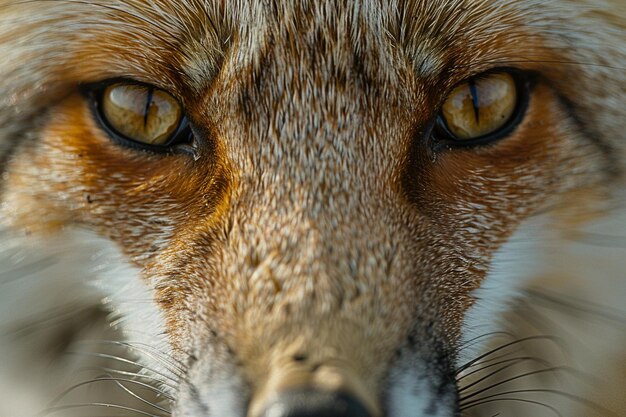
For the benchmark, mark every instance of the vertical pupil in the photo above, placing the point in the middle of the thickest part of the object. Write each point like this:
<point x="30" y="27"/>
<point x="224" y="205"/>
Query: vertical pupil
<point x="141" y="113"/>
<point x="479" y="106"/>
<point x="475" y="104"/>
<point x="146" y="111"/>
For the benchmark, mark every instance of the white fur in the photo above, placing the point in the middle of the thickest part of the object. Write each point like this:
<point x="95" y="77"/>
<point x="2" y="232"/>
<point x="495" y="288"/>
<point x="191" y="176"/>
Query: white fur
<point x="131" y="301"/>
<point x="224" y="394"/>
<point x="411" y="394"/>
<point x="512" y="266"/>
<point x="51" y="279"/>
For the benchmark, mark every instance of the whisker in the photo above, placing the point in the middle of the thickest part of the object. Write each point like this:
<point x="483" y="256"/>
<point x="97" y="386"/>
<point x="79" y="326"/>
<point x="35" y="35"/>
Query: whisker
<point x="522" y="400"/>
<point x="129" y="374"/>
<point x="133" y="344"/>
<point x="515" y="378"/>
<point x="170" y="363"/>
<point x="468" y="343"/>
<point x="141" y="399"/>
<point x="123" y="360"/>
<point x="475" y="361"/>
<point x="582" y="376"/>
<point x="54" y="410"/>
<point x="515" y="361"/>
<point x="497" y="358"/>
<point x="109" y="379"/>
<point x="589" y="404"/>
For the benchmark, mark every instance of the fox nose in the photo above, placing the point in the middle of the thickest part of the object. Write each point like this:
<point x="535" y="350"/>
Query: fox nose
<point x="315" y="403"/>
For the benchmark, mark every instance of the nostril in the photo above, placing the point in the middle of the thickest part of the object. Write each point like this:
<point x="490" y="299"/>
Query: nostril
<point x="313" y="403"/>
<point x="301" y="357"/>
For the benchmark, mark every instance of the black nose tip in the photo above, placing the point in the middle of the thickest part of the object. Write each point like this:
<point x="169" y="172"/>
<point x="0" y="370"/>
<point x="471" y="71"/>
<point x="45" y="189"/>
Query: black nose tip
<point x="312" y="403"/>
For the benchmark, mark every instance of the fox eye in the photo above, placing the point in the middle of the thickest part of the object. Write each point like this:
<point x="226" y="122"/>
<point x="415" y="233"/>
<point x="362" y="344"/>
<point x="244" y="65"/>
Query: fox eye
<point x="141" y="115"/>
<point x="481" y="109"/>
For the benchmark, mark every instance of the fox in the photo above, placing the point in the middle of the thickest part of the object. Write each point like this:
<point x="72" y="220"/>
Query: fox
<point x="311" y="208"/>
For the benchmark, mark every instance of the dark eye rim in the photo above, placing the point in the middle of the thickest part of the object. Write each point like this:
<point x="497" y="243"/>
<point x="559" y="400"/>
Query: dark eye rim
<point x="178" y="143"/>
<point x="443" y="138"/>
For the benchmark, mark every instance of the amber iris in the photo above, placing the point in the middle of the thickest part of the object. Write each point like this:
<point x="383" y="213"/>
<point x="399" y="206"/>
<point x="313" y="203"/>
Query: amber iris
<point x="480" y="106"/>
<point x="141" y="113"/>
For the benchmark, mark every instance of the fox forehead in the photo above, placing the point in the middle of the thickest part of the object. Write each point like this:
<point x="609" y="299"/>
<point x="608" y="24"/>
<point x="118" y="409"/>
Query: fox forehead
<point x="188" y="41"/>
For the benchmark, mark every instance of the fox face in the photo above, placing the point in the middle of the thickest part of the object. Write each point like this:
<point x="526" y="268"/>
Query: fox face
<point x="309" y="207"/>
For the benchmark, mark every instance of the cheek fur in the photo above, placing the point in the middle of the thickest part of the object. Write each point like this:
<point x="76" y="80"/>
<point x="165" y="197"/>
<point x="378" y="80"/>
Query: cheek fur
<point x="515" y="262"/>
<point x="138" y="199"/>
<point x="58" y="279"/>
